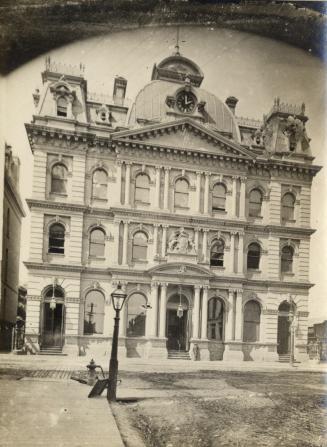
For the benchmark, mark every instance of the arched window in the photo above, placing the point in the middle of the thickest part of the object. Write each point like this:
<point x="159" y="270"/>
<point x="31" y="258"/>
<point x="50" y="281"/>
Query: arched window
<point x="251" y="329"/>
<point x="217" y="254"/>
<point x="215" y="319"/>
<point x="253" y="258"/>
<point x="142" y="188"/>
<point x="288" y="203"/>
<point x="287" y="259"/>
<point x="61" y="106"/>
<point x="140" y="246"/>
<point x="94" y="313"/>
<point x="181" y="193"/>
<point x="57" y="238"/>
<point x="59" y="179"/>
<point x="99" y="184"/>
<point x="255" y="202"/>
<point x="97" y="243"/>
<point x="136" y="306"/>
<point x="56" y="291"/>
<point x="219" y="197"/>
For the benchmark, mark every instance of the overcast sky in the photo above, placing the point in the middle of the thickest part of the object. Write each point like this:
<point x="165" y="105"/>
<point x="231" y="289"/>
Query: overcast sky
<point x="250" y="67"/>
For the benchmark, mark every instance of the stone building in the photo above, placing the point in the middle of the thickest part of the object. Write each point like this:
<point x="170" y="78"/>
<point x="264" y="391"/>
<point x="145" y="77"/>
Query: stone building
<point x="203" y="216"/>
<point x="12" y="212"/>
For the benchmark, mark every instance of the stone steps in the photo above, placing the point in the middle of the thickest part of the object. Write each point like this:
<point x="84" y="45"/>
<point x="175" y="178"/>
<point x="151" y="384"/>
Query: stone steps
<point x="55" y="350"/>
<point x="179" y="355"/>
<point x="284" y="358"/>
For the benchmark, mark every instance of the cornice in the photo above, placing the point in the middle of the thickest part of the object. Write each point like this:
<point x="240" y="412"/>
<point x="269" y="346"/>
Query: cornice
<point x="125" y="273"/>
<point x="150" y="217"/>
<point x="36" y="203"/>
<point x="87" y="139"/>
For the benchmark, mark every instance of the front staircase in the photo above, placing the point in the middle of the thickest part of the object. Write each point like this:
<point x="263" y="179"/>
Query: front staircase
<point x="284" y="358"/>
<point x="51" y="350"/>
<point x="178" y="355"/>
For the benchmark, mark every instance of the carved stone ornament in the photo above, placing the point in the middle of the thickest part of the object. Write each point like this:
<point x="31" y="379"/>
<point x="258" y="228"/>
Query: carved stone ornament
<point x="181" y="242"/>
<point x="296" y="133"/>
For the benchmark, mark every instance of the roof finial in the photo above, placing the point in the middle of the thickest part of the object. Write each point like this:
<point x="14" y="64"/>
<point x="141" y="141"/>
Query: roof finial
<point x="177" y="53"/>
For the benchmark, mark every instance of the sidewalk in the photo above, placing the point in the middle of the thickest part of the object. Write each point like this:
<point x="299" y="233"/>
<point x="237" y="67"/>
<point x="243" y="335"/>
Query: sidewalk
<point x="65" y="366"/>
<point x="54" y="413"/>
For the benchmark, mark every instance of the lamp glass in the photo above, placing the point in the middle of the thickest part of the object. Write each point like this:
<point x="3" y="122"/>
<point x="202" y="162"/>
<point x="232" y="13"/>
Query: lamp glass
<point x="53" y="303"/>
<point x="118" y="298"/>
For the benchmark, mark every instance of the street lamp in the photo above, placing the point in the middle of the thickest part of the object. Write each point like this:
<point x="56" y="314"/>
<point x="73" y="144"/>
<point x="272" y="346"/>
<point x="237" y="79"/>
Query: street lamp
<point x="292" y="320"/>
<point x="118" y="298"/>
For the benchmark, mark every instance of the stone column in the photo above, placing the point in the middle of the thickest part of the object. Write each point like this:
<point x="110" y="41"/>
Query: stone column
<point x="198" y="191"/>
<point x="204" y="319"/>
<point x="163" y="311"/>
<point x="232" y="251"/>
<point x="127" y="183"/>
<point x="152" y="314"/>
<point x="242" y="198"/>
<point x="229" y="332"/>
<point x="164" y="240"/>
<point x="240" y="256"/>
<point x="234" y="196"/>
<point x="155" y="241"/>
<point x="157" y="193"/>
<point x="206" y="193"/>
<point x="125" y="243"/>
<point x="196" y="312"/>
<point x="239" y="315"/>
<point x="196" y="240"/>
<point x="205" y="244"/>
<point x="166" y="189"/>
<point x="118" y="179"/>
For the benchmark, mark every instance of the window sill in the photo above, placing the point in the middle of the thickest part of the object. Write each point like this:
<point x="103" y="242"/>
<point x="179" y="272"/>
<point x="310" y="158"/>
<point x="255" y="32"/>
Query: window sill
<point x="285" y="221"/>
<point x="60" y="194"/>
<point x="99" y="199"/>
<point x="219" y="211"/>
<point x="61" y="255"/>
<point x="217" y="267"/>
<point x="96" y="258"/>
<point x="139" y="261"/>
<point x="136" y="337"/>
<point x="253" y="271"/>
<point x="255" y="217"/>
<point x="290" y="274"/>
<point x="139" y="202"/>
<point x="182" y="207"/>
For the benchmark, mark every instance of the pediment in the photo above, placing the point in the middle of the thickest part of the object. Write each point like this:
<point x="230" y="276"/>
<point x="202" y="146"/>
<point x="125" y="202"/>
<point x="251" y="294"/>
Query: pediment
<point x="185" y="135"/>
<point x="182" y="270"/>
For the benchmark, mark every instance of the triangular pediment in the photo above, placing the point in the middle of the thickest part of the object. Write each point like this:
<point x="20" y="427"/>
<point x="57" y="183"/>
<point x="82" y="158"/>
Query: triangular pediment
<point x="177" y="269"/>
<point x="186" y="135"/>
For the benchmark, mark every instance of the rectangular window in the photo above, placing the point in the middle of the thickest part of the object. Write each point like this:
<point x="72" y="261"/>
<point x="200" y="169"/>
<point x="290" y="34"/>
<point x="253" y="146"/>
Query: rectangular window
<point x="139" y="252"/>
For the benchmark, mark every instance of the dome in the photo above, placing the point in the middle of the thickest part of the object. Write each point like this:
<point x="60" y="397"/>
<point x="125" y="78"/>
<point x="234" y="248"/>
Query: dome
<point x="151" y="106"/>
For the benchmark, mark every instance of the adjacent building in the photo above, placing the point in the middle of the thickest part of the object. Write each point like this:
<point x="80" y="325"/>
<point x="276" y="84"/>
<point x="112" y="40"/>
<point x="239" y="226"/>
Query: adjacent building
<point x="201" y="215"/>
<point x="12" y="212"/>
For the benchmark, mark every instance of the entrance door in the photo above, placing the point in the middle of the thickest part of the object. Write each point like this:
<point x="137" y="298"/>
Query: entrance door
<point x="283" y="335"/>
<point x="176" y="330"/>
<point x="53" y="320"/>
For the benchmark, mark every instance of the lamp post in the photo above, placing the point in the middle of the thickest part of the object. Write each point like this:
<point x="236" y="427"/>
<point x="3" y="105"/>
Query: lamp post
<point x="292" y="320"/>
<point x="118" y="298"/>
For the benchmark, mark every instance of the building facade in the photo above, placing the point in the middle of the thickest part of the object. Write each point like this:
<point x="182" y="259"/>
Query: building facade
<point x="202" y="216"/>
<point x="12" y="212"/>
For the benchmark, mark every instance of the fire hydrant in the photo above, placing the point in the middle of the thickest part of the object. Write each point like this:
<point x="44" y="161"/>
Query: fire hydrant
<point x="92" y="376"/>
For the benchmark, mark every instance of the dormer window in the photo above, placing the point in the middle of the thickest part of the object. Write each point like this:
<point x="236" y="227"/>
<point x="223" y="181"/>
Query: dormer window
<point x="62" y="107"/>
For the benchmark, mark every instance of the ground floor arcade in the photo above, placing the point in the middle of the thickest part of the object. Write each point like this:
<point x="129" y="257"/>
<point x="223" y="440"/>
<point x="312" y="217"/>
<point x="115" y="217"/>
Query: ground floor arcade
<point x="189" y="312"/>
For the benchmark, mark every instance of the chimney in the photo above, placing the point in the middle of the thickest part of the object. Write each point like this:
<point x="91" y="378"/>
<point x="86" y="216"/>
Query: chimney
<point x="119" y="93"/>
<point x="231" y="102"/>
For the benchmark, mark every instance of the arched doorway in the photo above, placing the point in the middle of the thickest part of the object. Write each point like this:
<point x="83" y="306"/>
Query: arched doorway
<point x="284" y="329"/>
<point x="53" y="316"/>
<point x="177" y="328"/>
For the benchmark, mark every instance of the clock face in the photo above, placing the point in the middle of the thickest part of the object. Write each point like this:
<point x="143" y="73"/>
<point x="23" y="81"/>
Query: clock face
<point x="186" y="102"/>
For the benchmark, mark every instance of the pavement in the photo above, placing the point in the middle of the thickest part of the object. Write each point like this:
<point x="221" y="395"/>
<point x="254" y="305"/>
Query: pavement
<point x="41" y="406"/>
<point x="54" y="412"/>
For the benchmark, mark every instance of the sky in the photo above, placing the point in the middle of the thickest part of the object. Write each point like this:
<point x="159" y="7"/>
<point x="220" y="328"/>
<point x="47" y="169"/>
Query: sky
<point x="252" y="68"/>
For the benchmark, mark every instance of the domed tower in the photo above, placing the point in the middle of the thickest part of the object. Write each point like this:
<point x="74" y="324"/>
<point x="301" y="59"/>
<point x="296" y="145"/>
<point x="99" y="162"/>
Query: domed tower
<point x="174" y="93"/>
